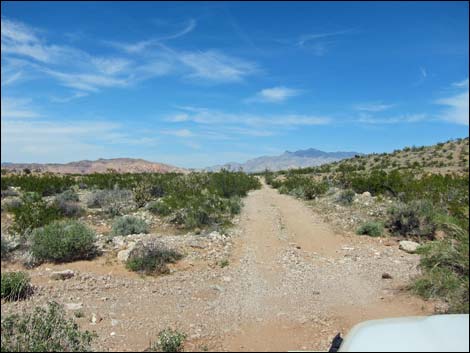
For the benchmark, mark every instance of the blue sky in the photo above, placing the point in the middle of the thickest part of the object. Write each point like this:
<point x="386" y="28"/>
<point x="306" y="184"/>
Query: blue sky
<point x="197" y="84"/>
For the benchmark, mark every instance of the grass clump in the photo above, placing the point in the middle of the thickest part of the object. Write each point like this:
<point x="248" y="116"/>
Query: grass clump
<point x="15" y="286"/>
<point x="169" y="341"/>
<point x="373" y="229"/>
<point x="129" y="225"/>
<point x="151" y="258"/>
<point x="63" y="241"/>
<point x="43" y="330"/>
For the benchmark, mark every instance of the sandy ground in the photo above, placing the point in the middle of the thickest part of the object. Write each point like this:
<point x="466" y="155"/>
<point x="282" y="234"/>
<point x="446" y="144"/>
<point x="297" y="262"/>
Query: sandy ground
<point x="292" y="284"/>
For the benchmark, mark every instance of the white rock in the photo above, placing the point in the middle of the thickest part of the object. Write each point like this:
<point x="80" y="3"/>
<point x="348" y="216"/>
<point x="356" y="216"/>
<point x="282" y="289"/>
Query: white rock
<point x="57" y="275"/>
<point x="73" y="306"/>
<point x="366" y="194"/>
<point x="123" y="255"/>
<point x="409" y="246"/>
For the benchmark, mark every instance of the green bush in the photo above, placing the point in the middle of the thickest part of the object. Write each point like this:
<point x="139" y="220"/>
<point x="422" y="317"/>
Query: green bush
<point x="445" y="267"/>
<point x="33" y="213"/>
<point x="63" y="241"/>
<point x="43" y="330"/>
<point x="374" y="229"/>
<point x="129" y="225"/>
<point x="113" y="202"/>
<point x="67" y="203"/>
<point x="169" y="341"/>
<point x="346" y="197"/>
<point x="413" y="219"/>
<point x="151" y="258"/>
<point x="159" y="207"/>
<point x="67" y="196"/>
<point x="15" y="286"/>
<point x="301" y="186"/>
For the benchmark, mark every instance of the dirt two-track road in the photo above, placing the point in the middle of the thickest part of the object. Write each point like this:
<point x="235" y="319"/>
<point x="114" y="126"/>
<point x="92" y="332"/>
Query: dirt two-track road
<point x="291" y="284"/>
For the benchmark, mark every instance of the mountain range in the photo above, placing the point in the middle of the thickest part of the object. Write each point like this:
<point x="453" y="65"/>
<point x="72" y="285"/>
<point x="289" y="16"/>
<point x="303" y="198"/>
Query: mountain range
<point x="120" y="165"/>
<point x="288" y="160"/>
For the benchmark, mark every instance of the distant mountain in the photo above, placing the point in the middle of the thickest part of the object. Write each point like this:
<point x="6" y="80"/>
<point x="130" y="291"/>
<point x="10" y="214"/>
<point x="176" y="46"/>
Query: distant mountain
<point x="288" y="160"/>
<point x="120" y="165"/>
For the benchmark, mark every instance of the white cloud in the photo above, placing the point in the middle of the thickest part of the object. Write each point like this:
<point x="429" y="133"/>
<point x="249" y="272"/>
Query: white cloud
<point x="17" y="108"/>
<point x="398" y="119"/>
<point x="373" y="106"/>
<point x="213" y="117"/>
<point x="215" y="66"/>
<point x="178" y="132"/>
<point x="304" y="39"/>
<point x="274" y="95"/>
<point x="423" y="72"/>
<point x="457" y="108"/>
<point x="463" y="83"/>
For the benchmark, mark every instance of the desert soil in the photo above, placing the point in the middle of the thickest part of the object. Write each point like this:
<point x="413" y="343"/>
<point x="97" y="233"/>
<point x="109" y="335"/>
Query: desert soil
<point x="292" y="283"/>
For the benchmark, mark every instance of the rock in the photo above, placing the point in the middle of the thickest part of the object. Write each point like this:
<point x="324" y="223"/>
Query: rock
<point x="73" y="306"/>
<point x="409" y="246"/>
<point x="366" y="194"/>
<point x="123" y="255"/>
<point x="62" y="275"/>
<point x="95" y="319"/>
<point x="226" y="279"/>
<point x="386" y="275"/>
<point x="197" y="245"/>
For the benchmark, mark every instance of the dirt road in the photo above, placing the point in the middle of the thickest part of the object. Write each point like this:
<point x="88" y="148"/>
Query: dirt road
<point x="292" y="283"/>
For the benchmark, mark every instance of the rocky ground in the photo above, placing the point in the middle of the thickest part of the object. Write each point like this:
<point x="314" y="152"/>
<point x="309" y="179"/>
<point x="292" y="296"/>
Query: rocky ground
<point x="281" y="279"/>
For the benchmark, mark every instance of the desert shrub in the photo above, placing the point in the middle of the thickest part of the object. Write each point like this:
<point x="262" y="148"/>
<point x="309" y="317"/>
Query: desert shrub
<point x="33" y="213"/>
<point x="234" y="205"/>
<point x="67" y="196"/>
<point x="15" y="285"/>
<point x="346" y="197"/>
<point x="129" y="225"/>
<point x="142" y="194"/>
<point x="5" y="246"/>
<point x="151" y="258"/>
<point x="159" y="207"/>
<point x="43" y="330"/>
<point x="63" y="241"/>
<point x="302" y="187"/>
<point x="69" y="209"/>
<point x="202" y="210"/>
<point x="44" y="184"/>
<point x="10" y="205"/>
<point x="9" y="192"/>
<point x="113" y="202"/>
<point x="168" y="341"/>
<point x="413" y="219"/>
<point x="374" y="229"/>
<point x="445" y="267"/>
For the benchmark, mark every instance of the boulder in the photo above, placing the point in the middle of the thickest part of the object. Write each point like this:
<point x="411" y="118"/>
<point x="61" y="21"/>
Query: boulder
<point x="409" y="246"/>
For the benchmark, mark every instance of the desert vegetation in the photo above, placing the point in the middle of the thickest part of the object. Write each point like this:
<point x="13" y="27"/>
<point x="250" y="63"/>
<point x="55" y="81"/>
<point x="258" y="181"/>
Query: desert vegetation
<point x="428" y="204"/>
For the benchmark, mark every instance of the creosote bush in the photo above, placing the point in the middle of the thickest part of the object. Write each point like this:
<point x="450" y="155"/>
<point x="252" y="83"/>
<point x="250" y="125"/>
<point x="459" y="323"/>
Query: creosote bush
<point x="413" y="219"/>
<point x="169" y="341"/>
<point x="43" y="330"/>
<point x="33" y="212"/>
<point x="151" y="258"/>
<point x="129" y="225"/>
<point x="63" y="241"/>
<point x="15" y="286"/>
<point x="114" y="202"/>
<point x="374" y="229"/>
<point x="346" y="197"/>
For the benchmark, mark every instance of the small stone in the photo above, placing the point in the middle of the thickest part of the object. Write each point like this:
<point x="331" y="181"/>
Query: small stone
<point x="409" y="246"/>
<point x="62" y="275"/>
<point x="113" y="333"/>
<point x="123" y="255"/>
<point x="386" y="275"/>
<point x="226" y="279"/>
<point x="95" y="319"/>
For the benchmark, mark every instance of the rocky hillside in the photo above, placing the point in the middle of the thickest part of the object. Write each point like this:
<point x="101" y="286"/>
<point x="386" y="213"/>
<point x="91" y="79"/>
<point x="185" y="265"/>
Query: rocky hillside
<point x="120" y="165"/>
<point x="445" y="157"/>
<point x="288" y="160"/>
